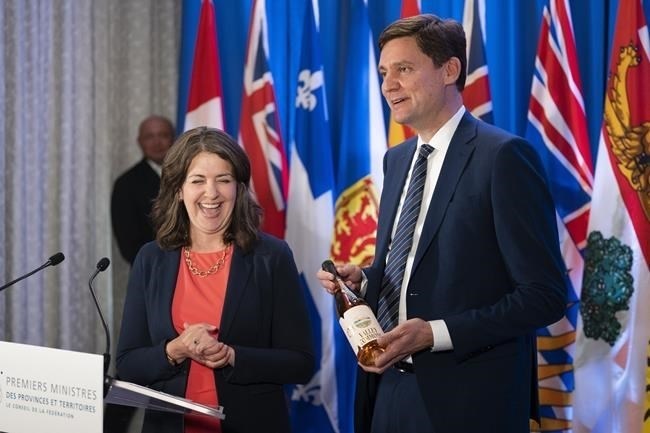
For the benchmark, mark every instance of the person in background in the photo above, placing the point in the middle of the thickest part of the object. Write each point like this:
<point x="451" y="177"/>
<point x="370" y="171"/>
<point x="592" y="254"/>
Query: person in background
<point x="467" y="264"/>
<point x="214" y="311"/>
<point x="135" y="190"/>
<point x="131" y="201"/>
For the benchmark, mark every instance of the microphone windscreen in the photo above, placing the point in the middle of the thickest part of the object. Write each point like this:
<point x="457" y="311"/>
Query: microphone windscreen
<point x="56" y="259"/>
<point x="103" y="263"/>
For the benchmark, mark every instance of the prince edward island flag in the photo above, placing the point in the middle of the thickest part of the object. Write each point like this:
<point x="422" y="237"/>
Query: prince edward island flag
<point x="611" y="349"/>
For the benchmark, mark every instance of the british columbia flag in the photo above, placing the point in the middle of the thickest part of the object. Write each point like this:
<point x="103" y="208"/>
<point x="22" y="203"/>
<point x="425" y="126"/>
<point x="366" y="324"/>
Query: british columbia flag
<point x="259" y="130"/>
<point x="557" y="128"/>
<point x="476" y="95"/>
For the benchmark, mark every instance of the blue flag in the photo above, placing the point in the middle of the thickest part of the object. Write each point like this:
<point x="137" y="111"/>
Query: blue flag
<point x="362" y="146"/>
<point x="190" y="21"/>
<point x="310" y="215"/>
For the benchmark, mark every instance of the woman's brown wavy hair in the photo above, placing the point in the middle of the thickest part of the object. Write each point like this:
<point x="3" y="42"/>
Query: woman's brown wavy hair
<point x="170" y="219"/>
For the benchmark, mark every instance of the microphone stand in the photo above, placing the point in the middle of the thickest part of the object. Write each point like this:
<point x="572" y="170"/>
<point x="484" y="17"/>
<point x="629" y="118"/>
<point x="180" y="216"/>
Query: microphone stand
<point x="52" y="261"/>
<point x="102" y="265"/>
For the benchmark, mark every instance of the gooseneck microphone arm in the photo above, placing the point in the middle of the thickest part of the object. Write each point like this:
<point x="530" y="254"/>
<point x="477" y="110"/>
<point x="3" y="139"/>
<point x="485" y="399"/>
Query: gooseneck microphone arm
<point x="102" y="265"/>
<point x="52" y="261"/>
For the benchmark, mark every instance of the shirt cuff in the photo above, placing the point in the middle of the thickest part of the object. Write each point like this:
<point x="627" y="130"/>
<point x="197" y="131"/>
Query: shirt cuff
<point x="441" y="337"/>
<point x="363" y="287"/>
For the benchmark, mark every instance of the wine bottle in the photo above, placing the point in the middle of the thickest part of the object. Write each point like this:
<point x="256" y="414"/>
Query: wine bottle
<point x="356" y="318"/>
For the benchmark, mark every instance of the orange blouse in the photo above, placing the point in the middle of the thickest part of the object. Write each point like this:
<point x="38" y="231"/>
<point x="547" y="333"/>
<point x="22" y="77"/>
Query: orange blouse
<point x="200" y="299"/>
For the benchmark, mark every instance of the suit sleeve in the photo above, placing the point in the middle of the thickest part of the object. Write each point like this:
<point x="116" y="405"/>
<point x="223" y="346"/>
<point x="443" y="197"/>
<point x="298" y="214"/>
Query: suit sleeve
<point x="526" y="234"/>
<point x="290" y="356"/>
<point x="139" y="359"/>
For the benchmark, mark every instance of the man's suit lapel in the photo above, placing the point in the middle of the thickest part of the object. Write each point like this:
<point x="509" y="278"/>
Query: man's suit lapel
<point x="460" y="149"/>
<point x="391" y="195"/>
<point x="240" y="271"/>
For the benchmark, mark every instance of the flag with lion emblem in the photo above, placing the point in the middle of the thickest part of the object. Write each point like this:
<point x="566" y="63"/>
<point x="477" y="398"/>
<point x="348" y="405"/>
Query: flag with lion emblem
<point x="610" y="363"/>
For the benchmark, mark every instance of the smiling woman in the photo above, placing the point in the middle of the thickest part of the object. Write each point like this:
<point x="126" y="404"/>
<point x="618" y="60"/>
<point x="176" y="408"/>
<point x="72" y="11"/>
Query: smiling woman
<point x="206" y="178"/>
<point x="238" y="321"/>
<point x="209" y="194"/>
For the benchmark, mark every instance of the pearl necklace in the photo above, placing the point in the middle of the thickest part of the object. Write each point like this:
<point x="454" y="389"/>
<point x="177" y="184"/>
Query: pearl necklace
<point x="201" y="273"/>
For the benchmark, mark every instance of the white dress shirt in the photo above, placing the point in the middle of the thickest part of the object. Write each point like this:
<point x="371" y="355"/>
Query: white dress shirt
<point x="155" y="167"/>
<point x="440" y="142"/>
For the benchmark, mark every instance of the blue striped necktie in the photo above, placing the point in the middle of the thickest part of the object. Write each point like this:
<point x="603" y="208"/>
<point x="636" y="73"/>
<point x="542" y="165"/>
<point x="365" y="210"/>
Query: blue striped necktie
<point x="391" y="284"/>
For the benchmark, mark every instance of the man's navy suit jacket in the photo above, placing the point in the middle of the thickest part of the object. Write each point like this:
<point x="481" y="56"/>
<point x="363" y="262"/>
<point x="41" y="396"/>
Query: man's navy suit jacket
<point x="488" y="264"/>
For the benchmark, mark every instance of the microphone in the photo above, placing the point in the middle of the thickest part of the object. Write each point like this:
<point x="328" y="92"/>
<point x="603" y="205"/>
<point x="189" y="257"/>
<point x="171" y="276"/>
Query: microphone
<point x="102" y="265"/>
<point x="52" y="261"/>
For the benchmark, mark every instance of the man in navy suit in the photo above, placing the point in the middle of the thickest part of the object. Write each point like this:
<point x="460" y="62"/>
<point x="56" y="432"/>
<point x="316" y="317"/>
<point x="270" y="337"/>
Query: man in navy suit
<point x="481" y="270"/>
<point x="131" y="201"/>
<point x="135" y="190"/>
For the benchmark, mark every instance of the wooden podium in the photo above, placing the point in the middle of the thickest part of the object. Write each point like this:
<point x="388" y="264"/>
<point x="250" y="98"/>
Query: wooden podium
<point x="61" y="391"/>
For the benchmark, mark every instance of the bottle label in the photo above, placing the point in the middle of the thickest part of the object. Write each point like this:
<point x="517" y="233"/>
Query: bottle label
<point x="348" y="334"/>
<point x="360" y="326"/>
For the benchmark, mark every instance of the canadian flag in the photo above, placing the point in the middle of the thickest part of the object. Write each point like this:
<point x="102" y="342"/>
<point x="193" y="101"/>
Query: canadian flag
<point x="205" y="101"/>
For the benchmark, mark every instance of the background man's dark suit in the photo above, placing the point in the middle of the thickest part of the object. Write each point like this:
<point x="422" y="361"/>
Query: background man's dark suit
<point x="488" y="264"/>
<point x="131" y="202"/>
<point x="264" y="312"/>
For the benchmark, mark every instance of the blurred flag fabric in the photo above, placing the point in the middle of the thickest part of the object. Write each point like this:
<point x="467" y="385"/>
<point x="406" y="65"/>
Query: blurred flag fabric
<point x="259" y="128"/>
<point x="476" y="95"/>
<point x="557" y="128"/>
<point x="310" y="219"/>
<point x="398" y="133"/>
<point x="646" y="406"/>
<point x="614" y="327"/>
<point x="359" y="174"/>
<point x="205" y="100"/>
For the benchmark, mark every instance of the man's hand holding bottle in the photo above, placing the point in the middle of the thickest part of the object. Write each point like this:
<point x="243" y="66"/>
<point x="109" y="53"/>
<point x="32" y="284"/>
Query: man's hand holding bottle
<point x="355" y="316"/>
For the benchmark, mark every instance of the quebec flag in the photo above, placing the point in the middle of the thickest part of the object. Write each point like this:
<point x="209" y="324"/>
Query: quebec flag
<point x="310" y="218"/>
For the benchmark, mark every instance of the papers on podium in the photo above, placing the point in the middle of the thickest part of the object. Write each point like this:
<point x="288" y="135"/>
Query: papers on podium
<point x="130" y="394"/>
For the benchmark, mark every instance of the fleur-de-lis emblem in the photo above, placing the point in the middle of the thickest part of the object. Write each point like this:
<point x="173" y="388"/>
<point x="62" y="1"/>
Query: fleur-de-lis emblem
<point x="309" y="392"/>
<point x="308" y="82"/>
